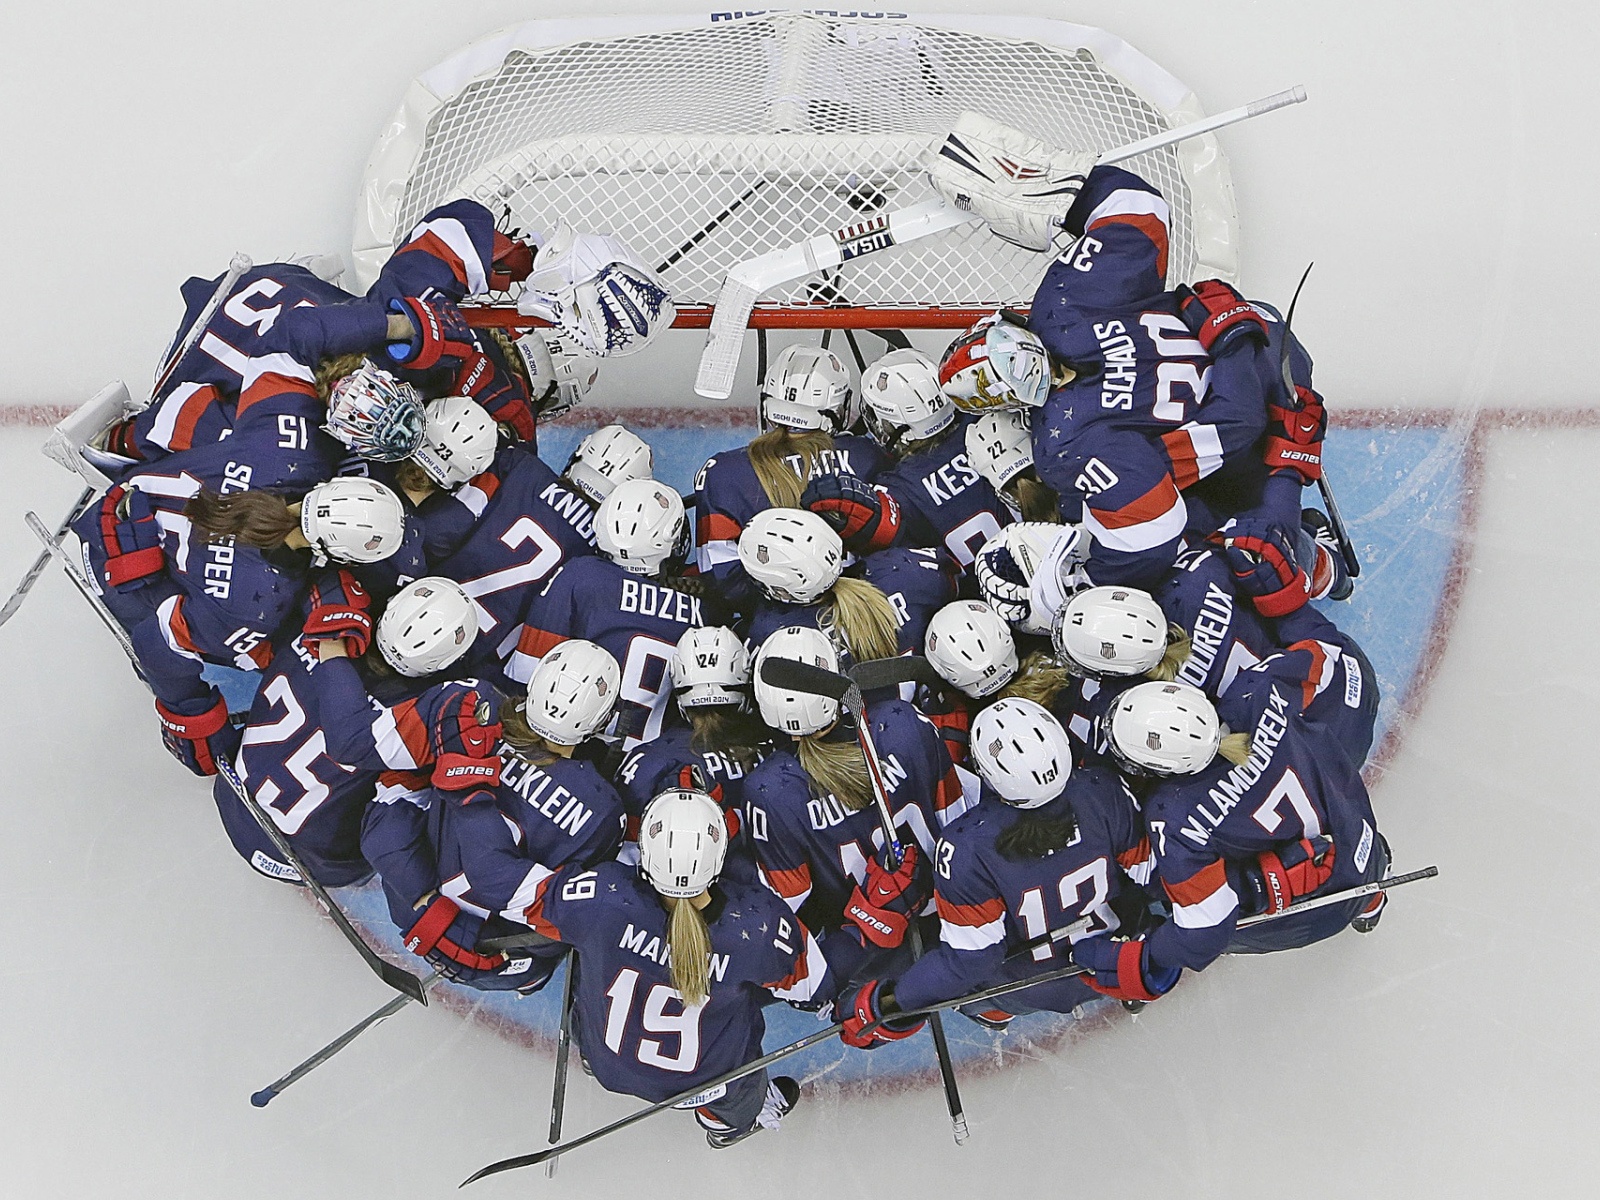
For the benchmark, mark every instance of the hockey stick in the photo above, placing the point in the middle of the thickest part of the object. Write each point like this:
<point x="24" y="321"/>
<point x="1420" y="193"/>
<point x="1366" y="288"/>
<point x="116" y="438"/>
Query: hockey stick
<point x="558" y="1094"/>
<point x="237" y="266"/>
<point x="803" y="677"/>
<point x="877" y="673"/>
<point x="676" y="256"/>
<point x="398" y="978"/>
<point x="746" y="281"/>
<point x="54" y="548"/>
<point x="267" y="1094"/>
<point x="1341" y="533"/>
<point x="39" y="564"/>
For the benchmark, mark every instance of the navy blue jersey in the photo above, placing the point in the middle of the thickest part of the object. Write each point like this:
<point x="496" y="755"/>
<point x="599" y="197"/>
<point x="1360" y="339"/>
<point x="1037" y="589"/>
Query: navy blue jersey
<point x="728" y="494"/>
<point x="813" y="851"/>
<point x="637" y="1034"/>
<point x="638" y="621"/>
<point x="503" y="534"/>
<point x="944" y="502"/>
<point x="1226" y="635"/>
<point x="991" y="906"/>
<point x="1300" y="782"/>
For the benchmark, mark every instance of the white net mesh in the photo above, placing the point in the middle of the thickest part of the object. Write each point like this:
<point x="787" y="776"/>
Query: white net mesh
<point x="705" y="146"/>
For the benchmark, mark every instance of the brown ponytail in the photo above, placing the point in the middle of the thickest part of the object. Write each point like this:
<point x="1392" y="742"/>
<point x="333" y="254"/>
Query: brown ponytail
<point x="862" y="615"/>
<point x="690" y="943"/>
<point x="1034" y="835"/>
<point x="1036" y="500"/>
<point x="769" y="454"/>
<point x="728" y="730"/>
<point x="836" y="767"/>
<point x="260" y="519"/>
<point x="1235" y="747"/>
<point x="515" y="732"/>
<point x="330" y="370"/>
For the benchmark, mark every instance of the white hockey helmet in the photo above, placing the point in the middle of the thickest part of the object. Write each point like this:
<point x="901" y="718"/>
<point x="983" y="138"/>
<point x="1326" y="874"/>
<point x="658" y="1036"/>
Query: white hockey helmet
<point x="597" y="291"/>
<point x="1106" y="631"/>
<point x="375" y="414"/>
<point x="1164" y="729"/>
<point x="427" y="625"/>
<point x="902" y="398"/>
<point x="1021" y="751"/>
<point x="711" y="668"/>
<point x="998" y="363"/>
<point x="1000" y="445"/>
<point x="796" y="713"/>
<point x="971" y="647"/>
<point x="683" y="842"/>
<point x="793" y="555"/>
<point x="610" y="455"/>
<point x="458" y="442"/>
<point x="351" y="518"/>
<point x="572" y="692"/>
<point x="641" y="526"/>
<point x="559" y="373"/>
<point x="808" y="387"/>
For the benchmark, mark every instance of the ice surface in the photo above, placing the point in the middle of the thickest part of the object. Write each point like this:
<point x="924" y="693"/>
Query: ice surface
<point x="1443" y="176"/>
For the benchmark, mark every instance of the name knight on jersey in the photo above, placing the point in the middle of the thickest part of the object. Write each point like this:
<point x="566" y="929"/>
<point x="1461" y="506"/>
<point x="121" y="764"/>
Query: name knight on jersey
<point x="571" y="507"/>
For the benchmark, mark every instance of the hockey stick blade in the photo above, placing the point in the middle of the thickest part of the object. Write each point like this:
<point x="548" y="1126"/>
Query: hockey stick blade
<point x="892" y="672"/>
<point x="803" y="677"/>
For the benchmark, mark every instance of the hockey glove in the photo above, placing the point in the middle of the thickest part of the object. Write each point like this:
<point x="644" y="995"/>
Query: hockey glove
<point x="873" y="1001"/>
<point x="1117" y="969"/>
<point x="197" y="732"/>
<point x="1220" y="317"/>
<point x="131" y="538"/>
<point x="1265" y="566"/>
<point x="882" y="908"/>
<point x="866" y="518"/>
<point x="440" y="332"/>
<point x="1294" y="436"/>
<point x="339" y="611"/>
<point x="463" y="728"/>
<point x="501" y="393"/>
<point x="444" y="935"/>
<point x="1003" y="581"/>
<point x="1280" y="877"/>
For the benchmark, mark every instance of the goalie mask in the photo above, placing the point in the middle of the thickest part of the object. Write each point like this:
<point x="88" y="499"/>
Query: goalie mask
<point x="971" y="647"/>
<point x="796" y="713"/>
<point x="572" y="692"/>
<point x="710" y="669"/>
<point x="998" y="363"/>
<point x="641" y="527"/>
<point x="794" y="556"/>
<point x="458" y="441"/>
<point x="559" y="374"/>
<point x="352" y="519"/>
<point x="900" y="392"/>
<point x="1000" y="446"/>
<point x="598" y="292"/>
<point x="808" y="387"/>
<point x="1163" y="729"/>
<point x="683" y="841"/>
<point x="428" y="625"/>
<point x="607" y="457"/>
<point x="1021" y="751"/>
<point x="375" y="414"/>
<point x="1104" y="632"/>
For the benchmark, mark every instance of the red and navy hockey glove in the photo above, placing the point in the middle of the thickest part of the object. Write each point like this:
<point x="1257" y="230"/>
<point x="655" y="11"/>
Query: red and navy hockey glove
<point x="1220" y="317"/>
<point x="866" y="518"/>
<point x="1265" y="566"/>
<point x="1117" y="968"/>
<point x="197" y="732"/>
<point x="511" y="262"/>
<point x="1294" y="436"/>
<point x="444" y="935"/>
<point x="500" y="392"/>
<point x="131" y="538"/>
<point x="339" y="611"/>
<point x="1293" y="871"/>
<point x="439" y="332"/>
<point x="463" y="729"/>
<point x="882" y="908"/>
<point x="875" y="1000"/>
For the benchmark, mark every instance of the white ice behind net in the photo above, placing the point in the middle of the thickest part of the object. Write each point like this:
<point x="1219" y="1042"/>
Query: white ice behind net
<point x="771" y="129"/>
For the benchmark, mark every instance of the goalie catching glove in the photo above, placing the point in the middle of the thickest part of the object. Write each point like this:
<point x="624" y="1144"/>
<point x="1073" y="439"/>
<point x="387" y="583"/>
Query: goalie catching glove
<point x="1028" y="570"/>
<point x="595" y="290"/>
<point x="1020" y="186"/>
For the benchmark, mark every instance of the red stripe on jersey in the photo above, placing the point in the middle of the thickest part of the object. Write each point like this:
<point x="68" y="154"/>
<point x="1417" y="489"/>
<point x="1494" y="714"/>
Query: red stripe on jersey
<point x="1129" y="859"/>
<point x="802" y="970"/>
<point x="1151" y="506"/>
<point x="1184" y="459"/>
<point x="714" y="527"/>
<point x="536" y="643"/>
<point x="413" y="731"/>
<point x="1146" y="223"/>
<point x="488" y="483"/>
<point x="179" y="625"/>
<point x="189" y="416"/>
<point x="948" y="791"/>
<point x="790" y="883"/>
<point x="261" y="655"/>
<point x="1200" y="886"/>
<point x="974" y="915"/>
<point x="534" y="913"/>
<point x="412" y="781"/>
<point x="434" y="246"/>
<point x="272" y="384"/>
<point x="1319" y="665"/>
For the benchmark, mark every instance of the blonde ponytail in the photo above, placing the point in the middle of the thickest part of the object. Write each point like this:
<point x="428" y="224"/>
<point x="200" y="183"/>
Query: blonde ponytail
<point x="769" y="454"/>
<point x="836" y="767"/>
<point x="690" y="943"/>
<point x="862" y="615"/>
<point x="1235" y="747"/>
<point x="1179" y="647"/>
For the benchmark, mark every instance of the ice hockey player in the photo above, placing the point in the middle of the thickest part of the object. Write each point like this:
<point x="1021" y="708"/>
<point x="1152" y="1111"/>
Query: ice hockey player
<point x="1045" y="848"/>
<point x="675" y="964"/>
<point x="344" y="714"/>
<point x="1000" y="448"/>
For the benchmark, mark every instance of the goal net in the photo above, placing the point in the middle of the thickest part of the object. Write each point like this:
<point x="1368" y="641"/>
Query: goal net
<point x="704" y="141"/>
